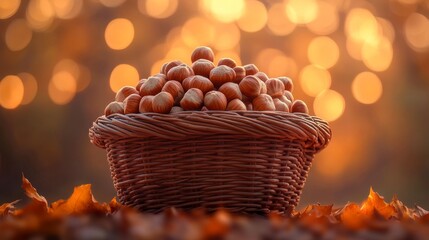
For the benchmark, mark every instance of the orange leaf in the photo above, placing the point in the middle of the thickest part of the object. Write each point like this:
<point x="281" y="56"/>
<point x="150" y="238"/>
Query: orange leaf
<point x="352" y="217"/>
<point x="80" y="202"/>
<point x="38" y="203"/>
<point x="114" y="205"/>
<point x="376" y="204"/>
<point x="7" y="208"/>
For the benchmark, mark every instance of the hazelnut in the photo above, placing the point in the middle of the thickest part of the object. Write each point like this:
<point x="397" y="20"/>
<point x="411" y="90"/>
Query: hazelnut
<point x="240" y="73"/>
<point x="140" y="83"/>
<point x="287" y="82"/>
<point x="175" y="89"/>
<point x="192" y="100"/>
<point x="171" y="65"/>
<point x="286" y="100"/>
<point x="262" y="76"/>
<point x="152" y="86"/>
<point x="249" y="106"/>
<point x="250" y="86"/>
<point x="176" y="109"/>
<point x="263" y="87"/>
<point x="251" y="69"/>
<point x="227" y="62"/>
<point x="263" y="102"/>
<point x="114" y="107"/>
<point x="231" y="91"/>
<point x="289" y="95"/>
<point x="124" y="92"/>
<point x="179" y="73"/>
<point x="275" y="87"/>
<point x="202" y="83"/>
<point x="202" y="67"/>
<point x="236" y="104"/>
<point x="280" y="106"/>
<point x="160" y="75"/>
<point x="186" y="83"/>
<point x="162" y="102"/>
<point x="202" y="52"/>
<point x="215" y="100"/>
<point x="145" y="104"/>
<point x="163" y="68"/>
<point x="222" y="74"/>
<point x="299" y="106"/>
<point x="131" y="104"/>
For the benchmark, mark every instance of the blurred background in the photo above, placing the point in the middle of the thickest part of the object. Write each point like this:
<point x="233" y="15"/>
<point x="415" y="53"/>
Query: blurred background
<point x="361" y="65"/>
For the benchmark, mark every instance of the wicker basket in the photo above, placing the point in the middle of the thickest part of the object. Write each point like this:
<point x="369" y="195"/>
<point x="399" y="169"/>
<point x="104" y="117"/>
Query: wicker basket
<point x="248" y="162"/>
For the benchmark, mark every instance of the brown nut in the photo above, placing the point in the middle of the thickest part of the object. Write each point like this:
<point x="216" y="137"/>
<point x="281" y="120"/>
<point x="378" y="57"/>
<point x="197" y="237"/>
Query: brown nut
<point x="227" y="62"/>
<point x="202" y="52"/>
<point x="299" y="106"/>
<point x="160" y="75"/>
<point x="170" y="65"/>
<point x="280" y="106"/>
<point x="175" y="89"/>
<point x="222" y="74"/>
<point x="262" y="76"/>
<point x="289" y="95"/>
<point x="286" y="100"/>
<point x="275" y="87"/>
<point x="124" y="92"/>
<point x="202" y="67"/>
<point x="231" y="91"/>
<point x="131" y="104"/>
<point x="114" y="107"/>
<point x="192" y="100"/>
<point x="251" y="69"/>
<point x="235" y="105"/>
<point x="176" y="109"/>
<point x="215" y="100"/>
<point x="200" y="82"/>
<point x="186" y="82"/>
<point x="250" y="86"/>
<point x="162" y="102"/>
<point x="240" y="73"/>
<point x="287" y="82"/>
<point x="140" y="83"/>
<point x="263" y="102"/>
<point x="146" y="104"/>
<point x="152" y="86"/>
<point x="263" y="87"/>
<point x="179" y="73"/>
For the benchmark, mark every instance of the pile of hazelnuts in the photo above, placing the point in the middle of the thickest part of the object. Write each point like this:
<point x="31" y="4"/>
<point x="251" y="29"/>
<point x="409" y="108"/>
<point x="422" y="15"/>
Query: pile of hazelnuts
<point x="203" y="86"/>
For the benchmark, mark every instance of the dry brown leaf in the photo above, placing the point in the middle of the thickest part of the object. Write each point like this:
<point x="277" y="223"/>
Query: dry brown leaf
<point x="38" y="204"/>
<point x="375" y="204"/>
<point x="352" y="216"/>
<point x="7" y="208"/>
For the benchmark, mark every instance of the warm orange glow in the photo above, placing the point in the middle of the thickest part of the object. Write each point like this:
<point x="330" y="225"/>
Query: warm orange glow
<point x="362" y="26"/>
<point x="8" y="8"/>
<point x="329" y="105"/>
<point x="264" y="56"/>
<point x="18" y="35"/>
<point x="158" y="8"/>
<point x="367" y="88"/>
<point x="112" y="3"/>
<point x="254" y="17"/>
<point x="354" y="48"/>
<point x="326" y="21"/>
<point x="302" y="11"/>
<point x="275" y="63"/>
<point x="377" y="56"/>
<point x="227" y="37"/>
<point x="67" y="9"/>
<point x="387" y="28"/>
<point x="30" y="87"/>
<point x="62" y="87"/>
<point x="123" y="75"/>
<point x="323" y="51"/>
<point x="224" y="10"/>
<point x="198" y="31"/>
<point x="80" y="73"/>
<point x="40" y="14"/>
<point x="156" y="66"/>
<point x="119" y="33"/>
<point x="417" y="32"/>
<point x="11" y="92"/>
<point x="314" y="79"/>
<point x="182" y="53"/>
<point x="278" y="22"/>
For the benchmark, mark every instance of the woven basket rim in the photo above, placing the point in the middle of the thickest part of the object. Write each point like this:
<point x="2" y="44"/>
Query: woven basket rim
<point x="312" y="130"/>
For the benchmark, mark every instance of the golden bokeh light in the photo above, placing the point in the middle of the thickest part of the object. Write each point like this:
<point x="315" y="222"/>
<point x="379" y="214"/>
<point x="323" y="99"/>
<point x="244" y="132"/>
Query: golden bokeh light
<point x="227" y="36"/>
<point x="198" y="31"/>
<point x="254" y="17"/>
<point x="416" y="30"/>
<point x="282" y="65"/>
<point x="158" y="8"/>
<point x="67" y="9"/>
<point x="354" y="49"/>
<point x="367" y="88"/>
<point x="224" y="10"/>
<point x="30" y="87"/>
<point x="387" y="28"/>
<point x="326" y="21"/>
<point x="80" y="73"/>
<point x="377" y="56"/>
<point x="156" y="66"/>
<point x="323" y="51"/>
<point x="62" y="87"/>
<point x="314" y="80"/>
<point x="119" y="33"/>
<point x="329" y="105"/>
<point x="40" y="14"/>
<point x="264" y="56"/>
<point x="278" y="22"/>
<point x="302" y="11"/>
<point x="112" y="3"/>
<point x="8" y="8"/>
<point x="11" y="91"/>
<point x="179" y="53"/>
<point x="362" y="26"/>
<point x="18" y="35"/>
<point x="123" y="75"/>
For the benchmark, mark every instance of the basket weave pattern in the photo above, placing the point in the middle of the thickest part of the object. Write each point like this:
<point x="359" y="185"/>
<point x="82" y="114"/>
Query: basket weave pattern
<point x="249" y="162"/>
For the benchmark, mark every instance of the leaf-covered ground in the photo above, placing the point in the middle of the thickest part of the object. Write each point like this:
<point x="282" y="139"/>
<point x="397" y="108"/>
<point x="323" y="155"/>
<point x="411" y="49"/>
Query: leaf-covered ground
<point x="82" y="217"/>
